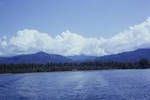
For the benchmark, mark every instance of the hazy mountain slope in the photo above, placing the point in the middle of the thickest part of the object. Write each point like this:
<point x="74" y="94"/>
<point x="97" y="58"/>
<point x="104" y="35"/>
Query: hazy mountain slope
<point x="37" y="58"/>
<point x="131" y="56"/>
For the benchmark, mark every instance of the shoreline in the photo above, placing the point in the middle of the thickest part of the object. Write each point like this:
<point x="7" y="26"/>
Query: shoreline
<point x="13" y="73"/>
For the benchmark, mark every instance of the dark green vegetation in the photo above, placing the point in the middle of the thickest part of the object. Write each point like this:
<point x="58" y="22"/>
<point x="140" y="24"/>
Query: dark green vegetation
<point x="88" y="65"/>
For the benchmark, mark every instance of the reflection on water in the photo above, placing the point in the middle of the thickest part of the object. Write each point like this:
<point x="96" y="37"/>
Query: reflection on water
<point x="89" y="85"/>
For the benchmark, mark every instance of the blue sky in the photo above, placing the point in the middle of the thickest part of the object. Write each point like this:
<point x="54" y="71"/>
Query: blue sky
<point x="96" y="27"/>
<point x="90" y="18"/>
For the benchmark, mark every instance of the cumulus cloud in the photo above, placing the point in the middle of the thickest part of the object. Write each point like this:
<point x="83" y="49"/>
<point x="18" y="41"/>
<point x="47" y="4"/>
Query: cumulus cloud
<point x="67" y="43"/>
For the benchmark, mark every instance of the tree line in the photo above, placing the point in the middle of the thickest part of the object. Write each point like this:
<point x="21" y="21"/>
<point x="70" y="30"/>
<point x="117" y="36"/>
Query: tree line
<point x="73" y="66"/>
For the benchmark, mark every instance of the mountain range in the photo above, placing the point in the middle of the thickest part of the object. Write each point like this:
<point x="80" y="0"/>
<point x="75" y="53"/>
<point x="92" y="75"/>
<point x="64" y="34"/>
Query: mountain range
<point x="37" y="58"/>
<point x="130" y="56"/>
<point x="43" y="58"/>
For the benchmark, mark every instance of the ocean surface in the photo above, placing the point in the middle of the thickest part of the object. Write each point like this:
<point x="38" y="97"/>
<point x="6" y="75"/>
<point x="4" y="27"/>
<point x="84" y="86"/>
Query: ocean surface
<point x="81" y="85"/>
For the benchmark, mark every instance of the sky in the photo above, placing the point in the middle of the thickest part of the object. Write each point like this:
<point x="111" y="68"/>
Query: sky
<point x="90" y="27"/>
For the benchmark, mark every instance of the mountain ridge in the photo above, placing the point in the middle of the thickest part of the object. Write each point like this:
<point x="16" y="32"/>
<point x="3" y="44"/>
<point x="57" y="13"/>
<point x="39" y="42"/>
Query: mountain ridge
<point x="128" y="56"/>
<point x="43" y="57"/>
<point x="36" y="58"/>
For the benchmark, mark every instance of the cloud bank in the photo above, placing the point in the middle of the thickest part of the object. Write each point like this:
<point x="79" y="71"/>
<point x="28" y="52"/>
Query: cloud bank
<point x="67" y="43"/>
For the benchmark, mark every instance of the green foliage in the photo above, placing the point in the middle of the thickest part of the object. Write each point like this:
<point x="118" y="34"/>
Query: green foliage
<point x="88" y="65"/>
<point x="143" y="62"/>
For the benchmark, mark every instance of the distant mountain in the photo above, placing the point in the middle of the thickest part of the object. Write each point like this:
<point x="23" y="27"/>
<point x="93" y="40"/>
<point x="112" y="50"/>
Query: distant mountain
<point x="37" y="58"/>
<point x="81" y="58"/>
<point x="43" y="58"/>
<point x="131" y="56"/>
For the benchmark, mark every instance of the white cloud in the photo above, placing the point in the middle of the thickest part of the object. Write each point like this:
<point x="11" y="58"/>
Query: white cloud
<point x="68" y="43"/>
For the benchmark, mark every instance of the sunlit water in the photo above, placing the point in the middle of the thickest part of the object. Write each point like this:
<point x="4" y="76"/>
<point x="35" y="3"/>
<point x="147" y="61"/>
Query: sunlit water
<point x="88" y="85"/>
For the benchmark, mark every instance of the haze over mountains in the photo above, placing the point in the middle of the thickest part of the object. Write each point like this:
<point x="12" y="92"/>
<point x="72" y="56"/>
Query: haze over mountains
<point x="37" y="58"/>
<point x="43" y="58"/>
<point x="130" y="56"/>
